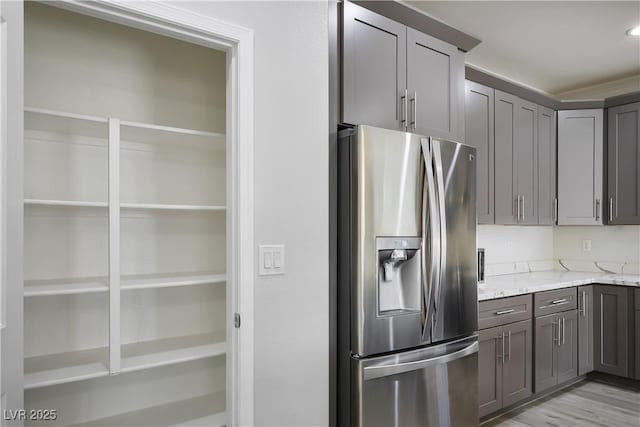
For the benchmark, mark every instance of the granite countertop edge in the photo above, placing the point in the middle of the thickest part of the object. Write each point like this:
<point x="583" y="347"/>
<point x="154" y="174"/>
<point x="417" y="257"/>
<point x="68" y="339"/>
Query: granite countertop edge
<point x="509" y="285"/>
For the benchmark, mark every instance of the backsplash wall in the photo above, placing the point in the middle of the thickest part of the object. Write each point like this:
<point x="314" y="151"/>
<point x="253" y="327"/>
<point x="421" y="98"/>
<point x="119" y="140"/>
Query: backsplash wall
<point x="614" y="248"/>
<point x="513" y="249"/>
<point x="517" y="249"/>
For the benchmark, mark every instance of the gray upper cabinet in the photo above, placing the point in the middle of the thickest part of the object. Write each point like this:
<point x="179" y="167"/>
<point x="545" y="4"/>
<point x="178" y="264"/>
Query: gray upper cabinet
<point x="623" y="204"/>
<point x="585" y="329"/>
<point x="516" y="160"/>
<point x="546" y="166"/>
<point x="505" y="195"/>
<point x="526" y="160"/>
<point x="479" y="133"/>
<point x="374" y="69"/>
<point x="398" y="78"/>
<point x="435" y="81"/>
<point x="580" y="164"/>
<point x="611" y="326"/>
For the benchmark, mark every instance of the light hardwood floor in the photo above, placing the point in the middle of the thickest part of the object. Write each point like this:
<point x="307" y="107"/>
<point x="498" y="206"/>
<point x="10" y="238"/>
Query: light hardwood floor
<point x="593" y="402"/>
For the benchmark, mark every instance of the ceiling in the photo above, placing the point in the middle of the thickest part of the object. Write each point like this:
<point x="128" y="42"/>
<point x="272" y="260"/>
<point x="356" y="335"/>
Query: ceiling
<point x="557" y="47"/>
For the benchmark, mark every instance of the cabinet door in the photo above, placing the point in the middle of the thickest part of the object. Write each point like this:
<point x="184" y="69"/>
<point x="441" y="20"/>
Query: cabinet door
<point x="546" y="341"/>
<point x="526" y="160"/>
<point x="490" y="370"/>
<point x="637" y="339"/>
<point x="623" y="205"/>
<point x="479" y="134"/>
<point x="435" y="78"/>
<point x="567" y="350"/>
<point x="505" y="196"/>
<point x="374" y="69"/>
<point x="611" y="330"/>
<point x="516" y="370"/>
<point x="546" y="166"/>
<point x="580" y="167"/>
<point x="585" y="329"/>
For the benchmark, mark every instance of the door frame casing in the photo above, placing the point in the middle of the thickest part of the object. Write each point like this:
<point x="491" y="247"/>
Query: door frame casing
<point x="238" y="44"/>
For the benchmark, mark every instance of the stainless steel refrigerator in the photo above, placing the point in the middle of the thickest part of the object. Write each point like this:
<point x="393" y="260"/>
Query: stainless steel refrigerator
<point x="407" y="286"/>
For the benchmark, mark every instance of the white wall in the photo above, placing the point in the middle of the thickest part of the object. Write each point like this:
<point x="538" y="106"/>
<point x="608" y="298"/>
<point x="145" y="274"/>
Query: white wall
<point x="513" y="249"/>
<point x="614" y="248"/>
<point x="291" y="204"/>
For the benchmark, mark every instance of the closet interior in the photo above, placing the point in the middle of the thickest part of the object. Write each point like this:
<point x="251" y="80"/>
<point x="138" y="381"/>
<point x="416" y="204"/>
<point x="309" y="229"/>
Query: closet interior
<point x="125" y="224"/>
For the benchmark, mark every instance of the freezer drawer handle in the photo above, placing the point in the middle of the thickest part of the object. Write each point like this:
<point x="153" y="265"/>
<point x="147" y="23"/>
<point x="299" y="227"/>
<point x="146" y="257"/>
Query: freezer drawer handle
<point x="501" y="312"/>
<point x="373" y="372"/>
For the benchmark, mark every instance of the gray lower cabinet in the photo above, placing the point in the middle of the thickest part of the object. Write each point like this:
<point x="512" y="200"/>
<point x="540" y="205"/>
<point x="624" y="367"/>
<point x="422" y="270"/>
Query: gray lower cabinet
<point x="490" y="370"/>
<point x="556" y="349"/>
<point x="611" y="325"/>
<point x="374" y="69"/>
<point x="516" y="160"/>
<point x="547" y="201"/>
<point x="637" y="329"/>
<point x="580" y="161"/>
<point x="398" y="78"/>
<point x="504" y="366"/>
<point x="623" y="204"/>
<point x="479" y="134"/>
<point x="585" y="329"/>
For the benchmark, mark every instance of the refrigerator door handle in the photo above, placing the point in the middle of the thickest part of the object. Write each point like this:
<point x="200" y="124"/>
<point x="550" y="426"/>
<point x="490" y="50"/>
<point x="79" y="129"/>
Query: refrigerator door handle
<point x="442" y="253"/>
<point x="373" y="372"/>
<point x="432" y="223"/>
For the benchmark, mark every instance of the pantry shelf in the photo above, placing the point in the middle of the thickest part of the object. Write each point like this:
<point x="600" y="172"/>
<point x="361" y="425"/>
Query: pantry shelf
<point x="151" y="354"/>
<point x="147" y="281"/>
<point x="71" y="286"/>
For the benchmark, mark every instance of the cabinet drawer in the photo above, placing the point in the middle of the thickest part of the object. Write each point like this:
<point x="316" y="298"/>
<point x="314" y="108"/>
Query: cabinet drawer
<point x="555" y="301"/>
<point x="637" y="299"/>
<point x="502" y="311"/>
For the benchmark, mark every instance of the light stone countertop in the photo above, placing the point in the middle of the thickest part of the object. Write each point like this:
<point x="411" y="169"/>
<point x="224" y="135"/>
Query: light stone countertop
<point x="525" y="283"/>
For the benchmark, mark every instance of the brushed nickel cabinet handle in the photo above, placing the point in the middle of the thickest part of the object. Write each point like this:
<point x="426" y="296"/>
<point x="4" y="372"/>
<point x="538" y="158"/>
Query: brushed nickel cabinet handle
<point x="598" y="209"/>
<point x="610" y="209"/>
<point x="559" y="301"/>
<point x="414" y="101"/>
<point x="554" y="214"/>
<point x="403" y="103"/>
<point x="501" y="312"/>
<point x="564" y="330"/>
<point x="523" y="208"/>
<point x="509" y="346"/>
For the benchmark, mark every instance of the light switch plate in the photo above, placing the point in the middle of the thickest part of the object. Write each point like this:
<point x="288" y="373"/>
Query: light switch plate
<point x="270" y="260"/>
<point x="586" y="245"/>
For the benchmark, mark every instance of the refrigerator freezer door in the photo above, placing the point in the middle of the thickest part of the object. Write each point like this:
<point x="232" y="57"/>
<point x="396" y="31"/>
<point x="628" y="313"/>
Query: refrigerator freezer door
<point x="430" y="387"/>
<point x="455" y="292"/>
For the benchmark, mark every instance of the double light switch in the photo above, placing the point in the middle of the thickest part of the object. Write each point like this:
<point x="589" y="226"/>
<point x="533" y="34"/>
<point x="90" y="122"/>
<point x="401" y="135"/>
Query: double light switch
<point x="271" y="260"/>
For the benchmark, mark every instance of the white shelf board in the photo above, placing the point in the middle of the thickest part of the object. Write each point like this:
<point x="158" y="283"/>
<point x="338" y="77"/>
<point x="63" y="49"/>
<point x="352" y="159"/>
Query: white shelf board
<point x="72" y="286"/>
<point x="169" y="207"/>
<point x="170" y="351"/>
<point x="61" y="368"/>
<point x="158" y="134"/>
<point x="150" y="281"/>
<point x="39" y="119"/>
<point x="65" y="203"/>
<point x="203" y="411"/>
<point x="214" y="420"/>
